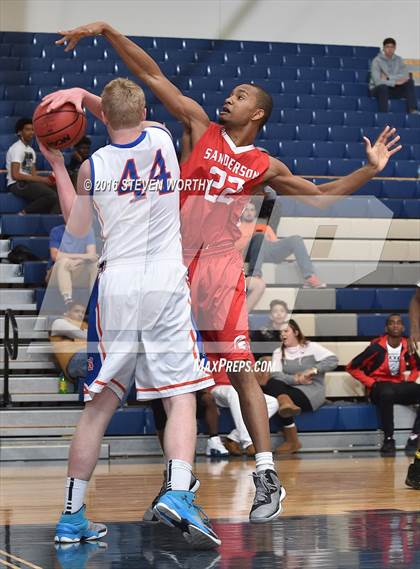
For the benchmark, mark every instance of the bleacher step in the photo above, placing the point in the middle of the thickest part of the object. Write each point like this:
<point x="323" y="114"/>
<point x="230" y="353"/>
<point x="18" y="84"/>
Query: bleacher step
<point x="4" y="248"/>
<point x="44" y="397"/>
<point x="30" y="327"/>
<point x="42" y="450"/>
<point x="38" y="418"/>
<point x="28" y="384"/>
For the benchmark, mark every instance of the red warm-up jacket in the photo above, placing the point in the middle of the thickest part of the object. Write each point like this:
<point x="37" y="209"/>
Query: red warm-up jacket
<point x="372" y="364"/>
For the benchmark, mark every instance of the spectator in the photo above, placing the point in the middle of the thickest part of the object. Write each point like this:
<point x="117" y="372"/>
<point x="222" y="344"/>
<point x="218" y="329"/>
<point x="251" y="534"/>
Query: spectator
<point x="383" y="368"/>
<point x="69" y="340"/>
<point x="237" y="441"/>
<point x="73" y="261"/>
<point x="264" y="246"/>
<point x="22" y="179"/>
<point x="297" y="379"/>
<point x="389" y="77"/>
<point x="80" y="154"/>
<point x="266" y="339"/>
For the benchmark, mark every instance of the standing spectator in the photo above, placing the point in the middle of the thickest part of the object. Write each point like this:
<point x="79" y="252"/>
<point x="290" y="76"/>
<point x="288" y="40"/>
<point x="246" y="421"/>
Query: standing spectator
<point x="382" y="368"/>
<point x="22" y="179"/>
<point x="389" y="77"/>
<point x="413" y="474"/>
<point x="297" y="379"/>
<point x="73" y="261"/>
<point x="80" y="154"/>
<point x="265" y="247"/>
<point x="69" y="340"/>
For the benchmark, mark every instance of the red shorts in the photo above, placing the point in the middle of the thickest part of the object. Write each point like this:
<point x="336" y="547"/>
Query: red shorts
<point x="218" y="299"/>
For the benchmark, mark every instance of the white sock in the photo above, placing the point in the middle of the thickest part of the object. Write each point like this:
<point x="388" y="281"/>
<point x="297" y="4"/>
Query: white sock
<point x="289" y="426"/>
<point x="264" y="461"/>
<point x="178" y="475"/>
<point x="75" y="495"/>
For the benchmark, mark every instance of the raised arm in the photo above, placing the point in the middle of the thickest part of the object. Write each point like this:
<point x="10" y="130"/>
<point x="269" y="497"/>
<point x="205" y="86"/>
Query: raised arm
<point x="79" y="97"/>
<point x="279" y="177"/>
<point x="184" y="109"/>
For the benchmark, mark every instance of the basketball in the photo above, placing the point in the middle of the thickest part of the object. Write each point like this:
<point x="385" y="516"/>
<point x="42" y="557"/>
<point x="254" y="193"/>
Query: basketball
<point x="60" y="128"/>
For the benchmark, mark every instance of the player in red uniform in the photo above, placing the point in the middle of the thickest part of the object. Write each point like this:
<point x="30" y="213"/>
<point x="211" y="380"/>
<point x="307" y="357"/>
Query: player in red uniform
<point x="225" y="155"/>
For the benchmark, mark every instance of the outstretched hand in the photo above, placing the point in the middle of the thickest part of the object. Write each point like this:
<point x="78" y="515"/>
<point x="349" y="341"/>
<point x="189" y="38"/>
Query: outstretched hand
<point x="55" y="100"/>
<point x="71" y="37"/>
<point x="384" y="147"/>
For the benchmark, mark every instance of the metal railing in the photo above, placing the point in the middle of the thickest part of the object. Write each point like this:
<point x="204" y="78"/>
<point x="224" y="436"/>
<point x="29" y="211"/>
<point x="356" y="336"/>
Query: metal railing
<point x="10" y="352"/>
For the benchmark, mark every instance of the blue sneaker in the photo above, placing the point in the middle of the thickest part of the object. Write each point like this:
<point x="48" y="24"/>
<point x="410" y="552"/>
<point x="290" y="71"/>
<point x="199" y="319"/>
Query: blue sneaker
<point x="72" y="528"/>
<point x="176" y="508"/>
<point x="77" y="555"/>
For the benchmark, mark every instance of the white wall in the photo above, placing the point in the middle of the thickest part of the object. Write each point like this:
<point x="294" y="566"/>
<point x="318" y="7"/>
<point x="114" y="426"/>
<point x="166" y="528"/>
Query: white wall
<point x="354" y="22"/>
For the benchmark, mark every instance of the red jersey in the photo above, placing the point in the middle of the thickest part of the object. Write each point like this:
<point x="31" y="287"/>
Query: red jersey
<point x="222" y="176"/>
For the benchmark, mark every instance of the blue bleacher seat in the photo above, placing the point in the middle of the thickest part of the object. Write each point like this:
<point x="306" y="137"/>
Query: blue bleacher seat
<point x="9" y="63"/>
<point x="354" y="63"/>
<point x="355" y="150"/>
<point x="393" y="298"/>
<point x="340" y="167"/>
<point x="5" y="50"/>
<point x="35" y="64"/>
<point x="34" y="273"/>
<point x="311" y="74"/>
<point x="192" y="44"/>
<point x="83" y="80"/>
<point x="284" y="100"/>
<point x="298" y="87"/>
<point x="270" y="59"/>
<point x="10" y="203"/>
<point x="7" y="124"/>
<point x="409" y="135"/>
<point x="365" y="52"/>
<point x="97" y="141"/>
<point x="372" y="188"/>
<point x="397" y="105"/>
<point x="7" y="140"/>
<point x="2" y="162"/>
<point x="311" y="166"/>
<point x="412" y="121"/>
<point x="102" y="66"/>
<point x="6" y="108"/>
<point x="283" y="48"/>
<point x="25" y="108"/>
<point x="212" y="84"/>
<point x="14" y="77"/>
<point x="26" y="50"/>
<point x="144" y="42"/>
<point x="295" y="149"/>
<point x="312" y="132"/>
<point x="327" y="62"/>
<point x="255" y="46"/>
<point x="396" y="206"/>
<point x="340" y="50"/>
<point x="328" y="149"/>
<point x="67" y="65"/>
<point x="392" y="119"/>
<point x="249" y="73"/>
<point x="388" y="171"/>
<point x="168" y="43"/>
<point x="278" y="132"/>
<point x="211" y="57"/>
<point x="355" y="298"/>
<point x="227" y="45"/>
<point x="18" y="37"/>
<point x="415" y="152"/>
<point x="272" y="86"/>
<point x="83" y="52"/>
<point x="342" y="103"/>
<point x="297" y="60"/>
<point x="99" y="81"/>
<point x="344" y="134"/>
<point x="341" y="75"/>
<point x="310" y="49"/>
<point x="354" y="90"/>
<point x="45" y="38"/>
<point x="328" y="117"/>
<point x="359" y="118"/>
<point x="54" y="52"/>
<point x="212" y="98"/>
<point x="312" y="102"/>
<point x="399" y="189"/>
<point x="296" y="116"/>
<point x="411" y="209"/>
<point x="326" y="88"/>
<point x="406" y="168"/>
<point x="238" y="58"/>
<point x="283" y="73"/>
<point x="42" y="78"/>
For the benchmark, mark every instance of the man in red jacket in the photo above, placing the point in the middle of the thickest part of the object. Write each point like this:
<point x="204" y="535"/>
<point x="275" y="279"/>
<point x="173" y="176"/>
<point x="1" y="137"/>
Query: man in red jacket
<point x="389" y="371"/>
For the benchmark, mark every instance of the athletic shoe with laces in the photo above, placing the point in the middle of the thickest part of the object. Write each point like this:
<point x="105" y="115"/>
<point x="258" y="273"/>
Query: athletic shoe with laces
<point x="72" y="528"/>
<point x="176" y="509"/>
<point x="314" y="282"/>
<point x="149" y="515"/>
<point x="388" y="447"/>
<point x="216" y="448"/>
<point x="413" y="475"/>
<point x="269" y="494"/>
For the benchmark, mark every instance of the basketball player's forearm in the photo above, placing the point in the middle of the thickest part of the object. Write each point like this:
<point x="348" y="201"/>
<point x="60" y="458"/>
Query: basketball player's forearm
<point x="348" y="184"/>
<point x="414" y="315"/>
<point x="136" y="59"/>
<point x="65" y="189"/>
<point x="93" y="103"/>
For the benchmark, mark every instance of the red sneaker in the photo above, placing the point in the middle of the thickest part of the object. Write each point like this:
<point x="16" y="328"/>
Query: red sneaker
<point x="314" y="282"/>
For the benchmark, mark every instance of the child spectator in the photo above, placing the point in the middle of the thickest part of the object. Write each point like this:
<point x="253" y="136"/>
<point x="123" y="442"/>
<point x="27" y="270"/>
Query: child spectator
<point x="389" y="371"/>
<point x="80" y="154"/>
<point x="22" y="178"/>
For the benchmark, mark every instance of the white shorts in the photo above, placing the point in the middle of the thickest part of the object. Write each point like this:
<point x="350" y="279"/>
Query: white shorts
<point x="141" y="329"/>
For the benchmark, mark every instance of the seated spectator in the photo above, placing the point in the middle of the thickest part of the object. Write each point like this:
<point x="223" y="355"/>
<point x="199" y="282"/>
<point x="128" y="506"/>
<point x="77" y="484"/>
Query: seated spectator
<point x="80" y="154"/>
<point x="389" y="372"/>
<point x="266" y="339"/>
<point x="297" y="379"/>
<point x="389" y="77"/>
<point x="69" y="339"/>
<point x="265" y="247"/>
<point x="22" y="178"/>
<point x="73" y="261"/>
<point x="237" y="441"/>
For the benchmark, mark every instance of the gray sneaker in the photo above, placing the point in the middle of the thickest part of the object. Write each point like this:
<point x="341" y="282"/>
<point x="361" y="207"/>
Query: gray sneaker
<point x="269" y="494"/>
<point x="149" y="515"/>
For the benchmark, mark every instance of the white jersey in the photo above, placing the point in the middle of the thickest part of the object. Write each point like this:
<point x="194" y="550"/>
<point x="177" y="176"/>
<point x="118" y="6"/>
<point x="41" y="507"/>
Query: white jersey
<point x="133" y="194"/>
